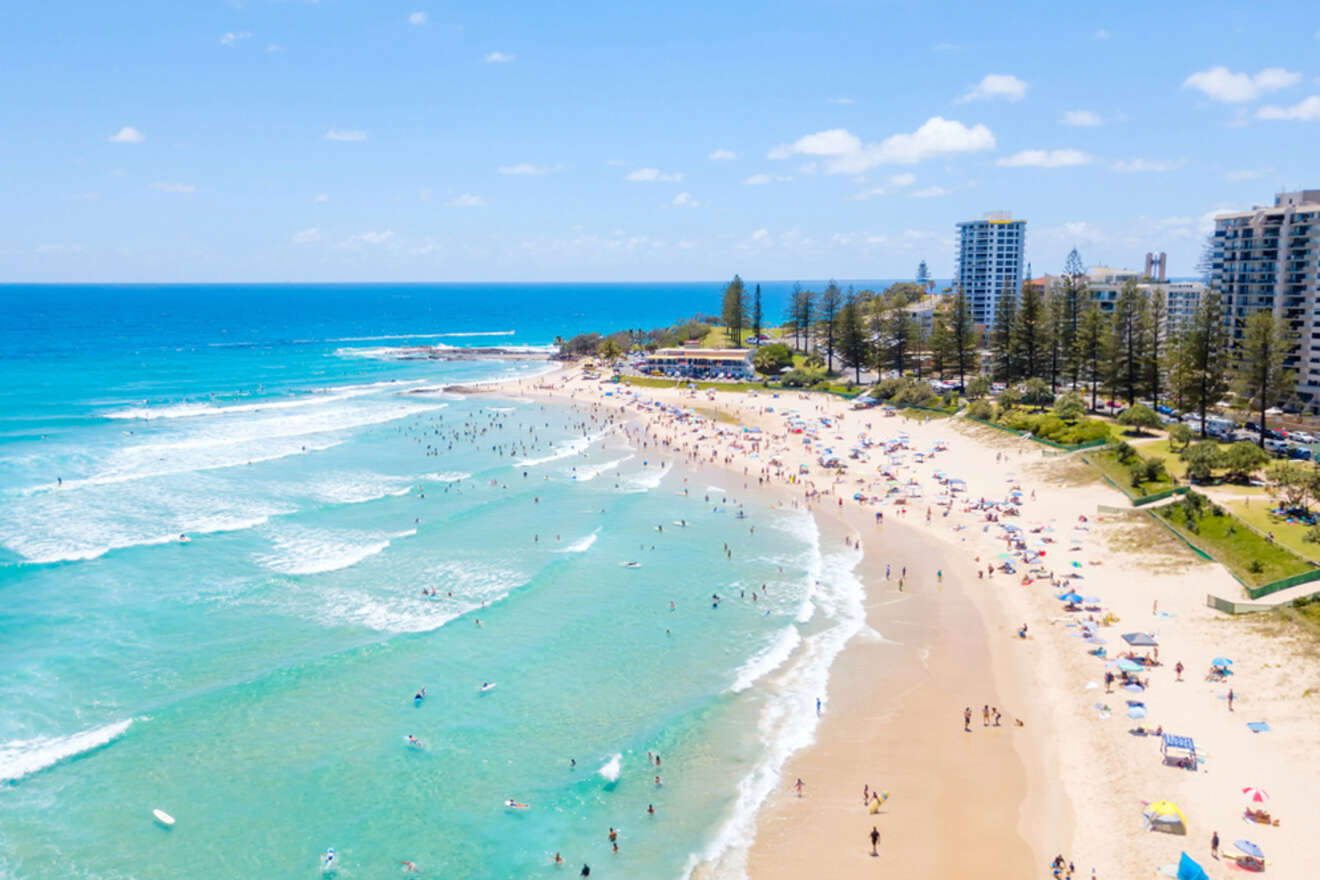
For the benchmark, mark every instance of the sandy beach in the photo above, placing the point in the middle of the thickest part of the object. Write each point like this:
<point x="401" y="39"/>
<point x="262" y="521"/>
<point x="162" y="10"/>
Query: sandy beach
<point x="1073" y="778"/>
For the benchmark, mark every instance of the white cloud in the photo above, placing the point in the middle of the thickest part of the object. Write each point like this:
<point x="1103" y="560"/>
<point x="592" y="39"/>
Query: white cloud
<point x="945" y="47"/>
<point x="841" y="100"/>
<point x="466" y="200"/>
<point x="372" y="237"/>
<point x="417" y="18"/>
<point x="997" y="85"/>
<point x="1306" y="110"/>
<point x="761" y="235"/>
<point x="892" y="183"/>
<point x="1045" y="159"/>
<point x="127" y="135"/>
<point x="321" y="198"/>
<point x="1221" y="84"/>
<point x="498" y="57"/>
<point x="311" y="235"/>
<point x="173" y="187"/>
<point x="231" y="39"/>
<point x="1141" y="165"/>
<point x="846" y="154"/>
<point x="1081" y="118"/>
<point x="347" y="135"/>
<point x="930" y="192"/>
<point x="722" y="153"/>
<point x="759" y="179"/>
<point x="272" y="47"/>
<point x="1102" y="34"/>
<point x="654" y="175"/>
<point x="685" y="200"/>
<point x="523" y="168"/>
<point x="1247" y="174"/>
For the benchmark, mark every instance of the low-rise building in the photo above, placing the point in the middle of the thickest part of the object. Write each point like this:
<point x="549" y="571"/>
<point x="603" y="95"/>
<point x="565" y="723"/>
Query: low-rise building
<point x="701" y="363"/>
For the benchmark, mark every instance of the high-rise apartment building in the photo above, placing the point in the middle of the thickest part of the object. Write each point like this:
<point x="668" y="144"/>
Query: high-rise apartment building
<point x="989" y="262"/>
<point x="1268" y="259"/>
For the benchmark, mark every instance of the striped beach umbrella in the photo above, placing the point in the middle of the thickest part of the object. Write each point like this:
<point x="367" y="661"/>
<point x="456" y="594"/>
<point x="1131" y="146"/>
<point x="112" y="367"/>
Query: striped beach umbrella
<point x="1256" y="795"/>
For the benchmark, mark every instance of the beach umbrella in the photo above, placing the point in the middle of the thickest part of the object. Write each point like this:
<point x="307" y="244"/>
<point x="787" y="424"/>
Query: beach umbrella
<point x="1076" y="564"/>
<point x="1088" y="599"/>
<point x="1189" y="870"/>
<point x="1133" y="687"/>
<point x="1136" y="712"/>
<point x="1221" y="661"/>
<point x="1070" y="597"/>
<point x="1140" y="640"/>
<point x="1256" y="795"/>
<point x="1128" y="666"/>
<point x="1249" y="848"/>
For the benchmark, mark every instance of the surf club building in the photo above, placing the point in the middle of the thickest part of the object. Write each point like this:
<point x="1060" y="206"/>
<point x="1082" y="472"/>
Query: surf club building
<point x="701" y="363"/>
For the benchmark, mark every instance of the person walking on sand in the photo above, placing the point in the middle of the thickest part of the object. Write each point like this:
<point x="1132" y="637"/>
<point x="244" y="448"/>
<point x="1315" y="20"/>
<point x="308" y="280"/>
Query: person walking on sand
<point x="799" y="785"/>
<point x="1178" y="668"/>
<point x="967" y="719"/>
<point x="985" y="716"/>
<point x="1230" y="699"/>
<point x="875" y="841"/>
<point x="1214" y="844"/>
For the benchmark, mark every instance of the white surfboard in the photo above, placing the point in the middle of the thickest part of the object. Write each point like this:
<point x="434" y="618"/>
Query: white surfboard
<point x="163" y="818"/>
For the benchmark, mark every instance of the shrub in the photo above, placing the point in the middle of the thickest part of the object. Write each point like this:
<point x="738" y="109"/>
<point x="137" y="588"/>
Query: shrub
<point x="1255" y="567"/>
<point x="1312" y="535"/>
<point x="981" y="409"/>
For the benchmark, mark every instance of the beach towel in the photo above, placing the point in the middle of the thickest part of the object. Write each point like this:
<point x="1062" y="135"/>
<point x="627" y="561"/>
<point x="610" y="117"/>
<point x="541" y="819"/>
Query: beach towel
<point x="1257" y="726"/>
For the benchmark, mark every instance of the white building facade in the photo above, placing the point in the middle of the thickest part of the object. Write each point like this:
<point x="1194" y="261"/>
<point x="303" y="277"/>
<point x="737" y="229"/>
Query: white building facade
<point x="1268" y="259"/>
<point x="989" y="262"/>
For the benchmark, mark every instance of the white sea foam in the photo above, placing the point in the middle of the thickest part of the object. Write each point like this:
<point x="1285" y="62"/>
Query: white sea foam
<point x="227" y="443"/>
<point x="47" y="533"/>
<point x="568" y="448"/>
<point x="787" y="722"/>
<point x="355" y="487"/>
<point x="422" y="335"/>
<point x="24" y="757"/>
<point x="611" y="769"/>
<point x="446" y="476"/>
<point x="645" y="481"/>
<point x="194" y="409"/>
<point x="581" y="545"/>
<point x="586" y="473"/>
<point x="767" y="660"/>
<point x="302" y="550"/>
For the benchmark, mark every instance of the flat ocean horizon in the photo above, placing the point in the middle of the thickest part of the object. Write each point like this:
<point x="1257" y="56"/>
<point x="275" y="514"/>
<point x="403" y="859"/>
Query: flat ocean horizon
<point x="256" y="680"/>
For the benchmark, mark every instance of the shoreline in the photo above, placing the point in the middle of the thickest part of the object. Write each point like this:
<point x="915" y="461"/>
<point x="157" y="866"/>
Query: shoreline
<point x="1073" y="780"/>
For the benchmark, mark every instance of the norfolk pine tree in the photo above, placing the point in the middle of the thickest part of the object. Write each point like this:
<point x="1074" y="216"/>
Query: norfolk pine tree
<point x="831" y="301"/>
<point x="853" y="350"/>
<point x="756" y="315"/>
<point x="1090" y="346"/>
<point x="734" y="311"/>
<point x="1262" y="378"/>
<point x="963" y="332"/>
<point x="1203" y="355"/>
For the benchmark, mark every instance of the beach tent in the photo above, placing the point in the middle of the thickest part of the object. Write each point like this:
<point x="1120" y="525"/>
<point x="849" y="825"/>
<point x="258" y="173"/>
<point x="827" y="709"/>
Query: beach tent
<point x="1164" y="816"/>
<point x="1140" y="640"/>
<point x="1190" y="870"/>
<point x="1171" y="746"/>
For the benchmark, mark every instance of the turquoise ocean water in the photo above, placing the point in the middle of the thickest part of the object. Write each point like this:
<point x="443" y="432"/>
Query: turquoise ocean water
<point x="256" y="681"/>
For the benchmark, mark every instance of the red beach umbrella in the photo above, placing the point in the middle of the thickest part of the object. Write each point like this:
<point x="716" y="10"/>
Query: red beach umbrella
<point x="1256" y="795"/>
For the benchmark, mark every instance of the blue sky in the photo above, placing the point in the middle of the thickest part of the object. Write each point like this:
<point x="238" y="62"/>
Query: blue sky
<point x="336" y="140"/>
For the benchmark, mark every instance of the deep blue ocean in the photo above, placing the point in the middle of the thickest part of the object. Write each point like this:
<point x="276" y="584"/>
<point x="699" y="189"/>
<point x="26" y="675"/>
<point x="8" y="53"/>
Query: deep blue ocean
<point x="219" y="508"/>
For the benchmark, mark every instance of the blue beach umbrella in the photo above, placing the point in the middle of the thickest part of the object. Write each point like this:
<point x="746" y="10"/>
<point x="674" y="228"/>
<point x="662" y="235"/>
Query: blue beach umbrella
<point x="1128" y="666"/>
<point x="1221" y="661"/>
<point x="1070" y="597"/>
<point x="1137" y="712"/>
<point x="1249" y="848"/>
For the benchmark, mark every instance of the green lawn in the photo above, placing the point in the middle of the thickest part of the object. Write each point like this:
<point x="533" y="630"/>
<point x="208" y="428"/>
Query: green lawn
<point x="661" y="382"/>
<point x="1108" y="464"/>
<point x="1256" y="511"/>
<point x="1235" y="545"/>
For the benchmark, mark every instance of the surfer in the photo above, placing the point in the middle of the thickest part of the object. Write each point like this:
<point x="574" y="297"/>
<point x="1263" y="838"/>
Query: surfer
<point x="328" y="859"/>
<point x="409" y="866"/>
<point x="559" y="860"/>
<point x="419" y="696"/>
